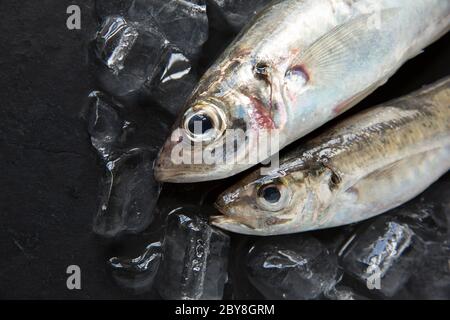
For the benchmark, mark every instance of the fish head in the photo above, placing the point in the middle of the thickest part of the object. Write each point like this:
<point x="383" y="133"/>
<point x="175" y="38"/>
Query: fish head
<point x="277" y="204"/>
<point x="217" y="134"/>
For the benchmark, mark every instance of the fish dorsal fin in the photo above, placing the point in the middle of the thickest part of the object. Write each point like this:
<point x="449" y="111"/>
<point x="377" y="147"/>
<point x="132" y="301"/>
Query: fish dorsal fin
<point x="333" y="53"/>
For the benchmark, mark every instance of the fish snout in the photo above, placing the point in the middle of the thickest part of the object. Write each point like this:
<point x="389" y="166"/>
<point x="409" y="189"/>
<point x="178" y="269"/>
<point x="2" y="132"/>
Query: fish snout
<point x="164" y="169"/>
<point x="227" y="201"/>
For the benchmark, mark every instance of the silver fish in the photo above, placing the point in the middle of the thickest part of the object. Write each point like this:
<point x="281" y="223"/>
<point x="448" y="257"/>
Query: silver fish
<point x="297" y="65"/>
<point x="364" y="166"/>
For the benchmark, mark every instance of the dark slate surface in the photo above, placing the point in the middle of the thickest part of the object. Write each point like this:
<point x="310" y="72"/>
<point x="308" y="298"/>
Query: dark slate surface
<point x="49" y="172"/>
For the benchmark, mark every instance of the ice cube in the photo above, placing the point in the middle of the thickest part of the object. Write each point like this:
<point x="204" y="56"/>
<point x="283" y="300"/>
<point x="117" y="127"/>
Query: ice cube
<point x="130" y="193"/>
<point x="292" y="267"/>
<point x="242" y="288"/>
<point x="127" y="140"/>
<point x="383" y="256"/>
<point x="234" y="14"/>
<point x="137" y="274"/>
<point x="341" y="292"/>
<point x="106" y="8"/>
<point x="195" y="259"/>
<point x="432" y="280"/>
<point x="429" y="214"/>
<point x="174" y="82"/>
<point x="135" y="62"/>
<point x="106" y="127"/>
<point x="115" y="41"/>
<point x="183" y="23"/>
<point x="128" y="55"/>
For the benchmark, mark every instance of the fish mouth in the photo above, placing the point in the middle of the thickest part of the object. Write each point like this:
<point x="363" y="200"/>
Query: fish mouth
<point x="180" y="174"/>
<point x="165" y="170"/>
<point x="221" y="205"/>
<point x="231" y="224"/>
<point x="174" y="175"/>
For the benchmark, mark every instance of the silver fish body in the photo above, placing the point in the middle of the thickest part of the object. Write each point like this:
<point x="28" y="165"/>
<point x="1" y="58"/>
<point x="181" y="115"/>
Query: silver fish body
<point x="299" y="64"/>
<point x="364" y="166"/>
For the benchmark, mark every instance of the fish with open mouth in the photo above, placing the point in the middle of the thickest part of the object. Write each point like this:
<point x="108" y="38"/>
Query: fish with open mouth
<point x="364" y="166"/>
<point x="297" y="65"/>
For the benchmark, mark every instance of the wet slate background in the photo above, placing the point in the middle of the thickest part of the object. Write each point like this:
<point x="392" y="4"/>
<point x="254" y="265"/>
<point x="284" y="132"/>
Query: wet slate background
<point x="49" y="171"/>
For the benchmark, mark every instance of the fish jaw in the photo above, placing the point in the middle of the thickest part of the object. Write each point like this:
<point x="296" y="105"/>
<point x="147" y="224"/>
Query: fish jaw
<point x="168" y="167"/>
<point x="230" y="224"/>
<point x="168" y="170"/>
<point x="192" y="173"/>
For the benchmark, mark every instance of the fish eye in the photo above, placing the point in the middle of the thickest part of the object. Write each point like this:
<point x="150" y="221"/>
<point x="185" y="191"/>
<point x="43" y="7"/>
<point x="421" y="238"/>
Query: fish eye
<point x="262" y="69"/>
<point x="270" y="193"/>
<point x="200" y="123"/>
<point x="204" y="123"/>
<point x="273" y="196"/>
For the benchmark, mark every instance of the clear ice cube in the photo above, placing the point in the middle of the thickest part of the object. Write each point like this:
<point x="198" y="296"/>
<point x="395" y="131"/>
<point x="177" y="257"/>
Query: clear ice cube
<point x="183" y="23"/>
<point x="137" y="274"/>
<point x="106" y="127"/>
<point x="234" y="14"/>
<point x="432" y="280"/>
<point x="195" y="259"/>
<point x="341" y="292"/>
<point x="175" y="81"/>
<point x="292" y="267"/>
<point x="128" y="55"/>
<point x="130" y="194"/>
<point x="383" y="256"/>
<point x="106" y="8"/>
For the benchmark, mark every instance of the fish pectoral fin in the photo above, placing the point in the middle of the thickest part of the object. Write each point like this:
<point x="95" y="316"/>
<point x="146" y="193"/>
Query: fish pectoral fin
<point x="331" y="54"/>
